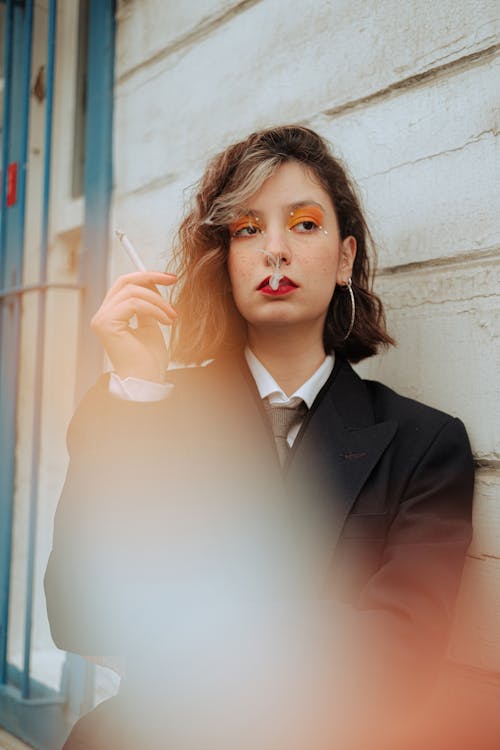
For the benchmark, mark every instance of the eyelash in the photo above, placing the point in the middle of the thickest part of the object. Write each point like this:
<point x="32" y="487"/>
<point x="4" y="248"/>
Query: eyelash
<point x="306" y="221"/>
<point x="238" y="233"/>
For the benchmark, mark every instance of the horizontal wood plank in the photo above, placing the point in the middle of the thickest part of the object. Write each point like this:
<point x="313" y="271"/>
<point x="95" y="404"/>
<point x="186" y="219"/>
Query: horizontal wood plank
<point x="148" y="29"/>
<point x="245" y="75"/>
<point x="446" y="321"/>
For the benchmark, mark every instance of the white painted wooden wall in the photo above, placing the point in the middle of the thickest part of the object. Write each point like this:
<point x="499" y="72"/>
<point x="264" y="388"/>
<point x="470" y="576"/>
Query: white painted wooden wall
<point x="405" y="92"/>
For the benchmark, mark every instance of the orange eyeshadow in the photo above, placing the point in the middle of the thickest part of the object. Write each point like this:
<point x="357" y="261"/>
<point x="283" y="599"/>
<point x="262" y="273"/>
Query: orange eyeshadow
<point x="306" y="213"/>
<point x="244" y="221"/>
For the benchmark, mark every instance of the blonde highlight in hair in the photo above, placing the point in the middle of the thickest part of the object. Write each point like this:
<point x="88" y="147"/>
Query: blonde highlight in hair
<point x="208" y="320"/>
<point x="226" y="206"/>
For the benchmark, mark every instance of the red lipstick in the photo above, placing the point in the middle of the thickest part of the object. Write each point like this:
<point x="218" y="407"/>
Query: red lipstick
<point x="286" y="286"/>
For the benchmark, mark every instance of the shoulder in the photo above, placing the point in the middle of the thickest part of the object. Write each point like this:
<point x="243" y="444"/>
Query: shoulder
<point x="430" y="447"/>
<point x="424" y="434"/>
<point x="417" y="423"/>
<point x="389" y="404"/>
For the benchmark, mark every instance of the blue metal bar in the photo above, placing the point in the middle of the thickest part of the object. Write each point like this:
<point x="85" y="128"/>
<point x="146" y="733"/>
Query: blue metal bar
<point x="7" y="74"/>
<point x="98" y="183"/>
<point x="11" y="342"/>
<point x="25" y="115"/>
<point x="7" y="473"/>
<point x="40" y="348"/>
<point x="46" y="726"/>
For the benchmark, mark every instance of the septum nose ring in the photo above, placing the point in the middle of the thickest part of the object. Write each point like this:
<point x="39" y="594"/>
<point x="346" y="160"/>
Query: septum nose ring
<point x="274" y="281"/>
<point x="272" y="259"/>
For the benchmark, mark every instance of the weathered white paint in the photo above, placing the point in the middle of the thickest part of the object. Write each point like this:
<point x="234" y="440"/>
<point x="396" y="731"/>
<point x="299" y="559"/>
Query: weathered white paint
<point x="425" y="164"/>
<point x="424" y="211"/>
<point x="446" y="321"/>
<point x="150" y="219"/>
<point x="416" y="122"/>
<point x="263" y="67"/>
<point x="147" y="29"/>
<point x="486" y="516"/>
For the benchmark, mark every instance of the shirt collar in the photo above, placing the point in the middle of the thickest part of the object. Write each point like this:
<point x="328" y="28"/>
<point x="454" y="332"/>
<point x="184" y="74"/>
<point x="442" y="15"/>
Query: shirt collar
<point x="269" y="388"/>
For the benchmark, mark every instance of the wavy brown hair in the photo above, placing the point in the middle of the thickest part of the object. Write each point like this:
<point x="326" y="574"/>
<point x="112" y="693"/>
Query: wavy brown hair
<point x="208" y="321"/>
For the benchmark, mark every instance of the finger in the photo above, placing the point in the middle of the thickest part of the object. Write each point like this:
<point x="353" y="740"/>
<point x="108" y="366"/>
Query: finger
<point x="144" y="278"/>
<point x="143" y="310"/>
<point x="116" y="317"/>
<point x="145" y="321"/>
<point x="141" y="292"/>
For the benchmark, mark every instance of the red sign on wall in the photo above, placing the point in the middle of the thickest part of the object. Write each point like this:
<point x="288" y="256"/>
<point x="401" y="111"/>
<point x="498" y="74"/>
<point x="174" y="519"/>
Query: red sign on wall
<point x="11" y="196"/>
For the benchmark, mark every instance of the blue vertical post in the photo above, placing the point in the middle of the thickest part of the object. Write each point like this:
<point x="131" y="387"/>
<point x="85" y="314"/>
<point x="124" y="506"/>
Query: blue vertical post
<point x="7" y="76"/>
<point x="25" y="113"/>
<point x="18" y="43"/>
<point x="43" y="722"/>
<point x="98" y="183"/>
<point x="40" y="349"/>
<point x="6" y="468"/>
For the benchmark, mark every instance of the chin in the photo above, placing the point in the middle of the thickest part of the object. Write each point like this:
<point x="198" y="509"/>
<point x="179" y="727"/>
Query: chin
<point x="279" y="319"/>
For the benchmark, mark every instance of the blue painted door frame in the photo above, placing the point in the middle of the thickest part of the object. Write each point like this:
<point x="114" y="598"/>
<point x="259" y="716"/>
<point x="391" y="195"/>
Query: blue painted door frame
<point x="29" y="709"/>
<point x="17" y="63"/>
<point x="98" y="183"/>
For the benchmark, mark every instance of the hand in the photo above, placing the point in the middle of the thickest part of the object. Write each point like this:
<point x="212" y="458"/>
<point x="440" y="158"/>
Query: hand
<point x="136" y="352"/>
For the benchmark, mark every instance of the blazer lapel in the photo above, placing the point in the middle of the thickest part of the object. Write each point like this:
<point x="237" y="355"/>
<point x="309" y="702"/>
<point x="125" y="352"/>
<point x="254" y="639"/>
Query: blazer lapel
<point x="337" y="448"/>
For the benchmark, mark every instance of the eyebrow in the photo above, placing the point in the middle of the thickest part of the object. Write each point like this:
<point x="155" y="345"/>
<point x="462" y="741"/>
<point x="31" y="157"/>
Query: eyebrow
<point x="301" y="204"/>
<point x="290" y="206"/>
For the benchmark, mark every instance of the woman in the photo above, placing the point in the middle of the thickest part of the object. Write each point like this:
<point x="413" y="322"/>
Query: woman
<point x="274" y="474"/>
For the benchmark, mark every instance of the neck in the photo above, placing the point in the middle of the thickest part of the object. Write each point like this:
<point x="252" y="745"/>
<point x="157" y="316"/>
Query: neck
<point x="290" y="358"/>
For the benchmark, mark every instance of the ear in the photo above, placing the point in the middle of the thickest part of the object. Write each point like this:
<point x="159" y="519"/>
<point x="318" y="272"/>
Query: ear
<point x="346" y="260"/>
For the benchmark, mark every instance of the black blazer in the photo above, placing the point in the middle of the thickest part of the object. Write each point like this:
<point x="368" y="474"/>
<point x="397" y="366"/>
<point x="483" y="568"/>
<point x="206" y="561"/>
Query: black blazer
<point x="378" y="487"/>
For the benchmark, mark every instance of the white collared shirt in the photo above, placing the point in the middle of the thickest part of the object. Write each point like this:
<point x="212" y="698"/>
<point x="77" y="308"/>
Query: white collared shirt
<point x="269" y="388"/>
<point x="136" y="389"/>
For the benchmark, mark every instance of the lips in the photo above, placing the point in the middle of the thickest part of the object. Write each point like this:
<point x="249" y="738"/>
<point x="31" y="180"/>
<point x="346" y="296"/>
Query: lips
<point x="285" y="282"/>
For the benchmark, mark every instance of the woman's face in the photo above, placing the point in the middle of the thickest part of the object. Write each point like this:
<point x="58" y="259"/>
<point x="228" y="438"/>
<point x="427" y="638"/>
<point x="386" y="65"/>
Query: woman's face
<point x="292" y="217"/>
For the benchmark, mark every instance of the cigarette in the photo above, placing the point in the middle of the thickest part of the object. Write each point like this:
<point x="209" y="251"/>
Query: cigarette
<point x="130" y="250"/>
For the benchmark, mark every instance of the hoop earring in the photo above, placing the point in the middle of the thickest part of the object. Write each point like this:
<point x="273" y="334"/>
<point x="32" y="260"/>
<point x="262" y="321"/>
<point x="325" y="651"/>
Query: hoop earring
<point x="348" y="286"/>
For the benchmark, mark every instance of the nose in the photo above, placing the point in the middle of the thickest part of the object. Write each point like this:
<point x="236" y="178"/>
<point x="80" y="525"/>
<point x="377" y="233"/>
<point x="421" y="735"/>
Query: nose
<point x="276" y="242"/>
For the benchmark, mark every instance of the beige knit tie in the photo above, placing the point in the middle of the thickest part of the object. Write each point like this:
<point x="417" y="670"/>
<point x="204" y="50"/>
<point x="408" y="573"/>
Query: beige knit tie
<point x="283" y="418"/>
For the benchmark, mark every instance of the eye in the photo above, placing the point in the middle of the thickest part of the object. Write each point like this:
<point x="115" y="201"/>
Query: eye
<point x="305" y="226"/>
<point x="246" y="226"/>
<point x="306" y="220"/>
<point x="249" y="230"/>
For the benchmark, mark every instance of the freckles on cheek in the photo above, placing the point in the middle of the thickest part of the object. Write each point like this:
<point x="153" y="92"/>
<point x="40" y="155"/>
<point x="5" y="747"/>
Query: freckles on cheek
<point x="241" y="274"/>
<point x="321" y="267"/>
<point x="245" y="270"/>
<point x="236" y="260"/>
